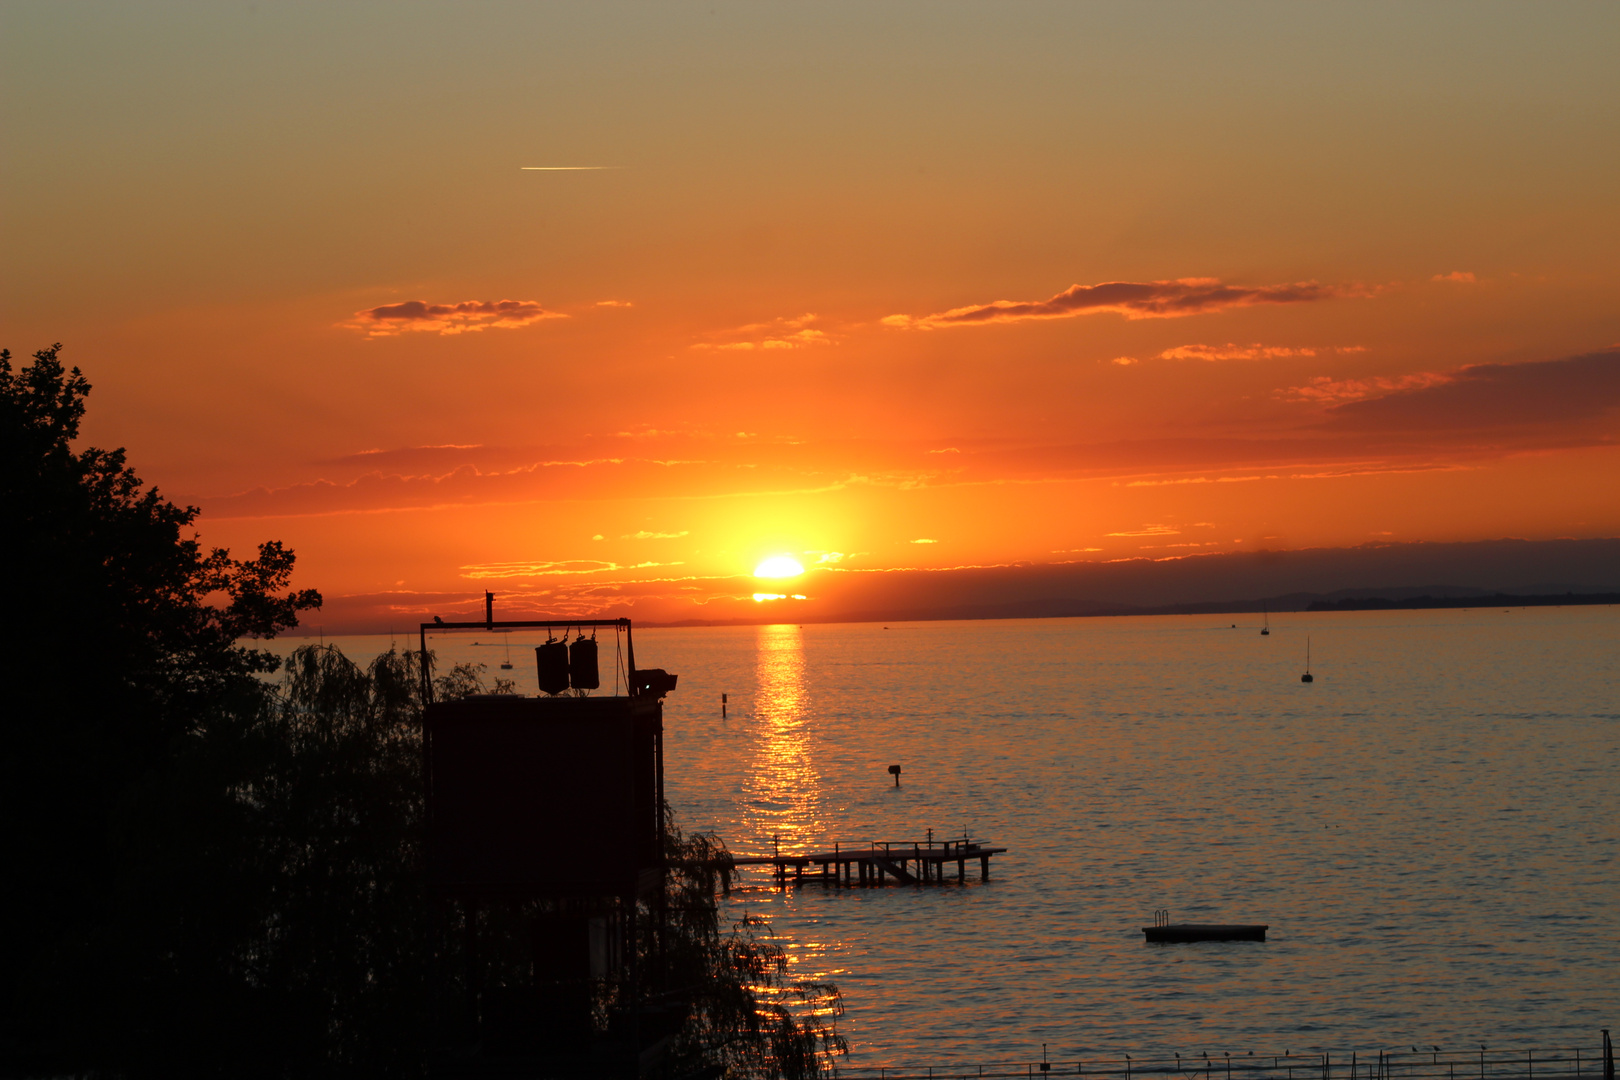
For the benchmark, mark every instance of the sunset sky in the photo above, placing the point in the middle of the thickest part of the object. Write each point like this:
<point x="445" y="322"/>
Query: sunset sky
<point x="599" y="305"/>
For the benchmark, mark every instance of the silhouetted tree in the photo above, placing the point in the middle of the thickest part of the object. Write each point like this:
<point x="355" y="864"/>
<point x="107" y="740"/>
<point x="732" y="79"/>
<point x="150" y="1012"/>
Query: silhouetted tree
<point x="745" y="1016"/>
<point x="111" y="652"/>
<point x="207" y="872"/>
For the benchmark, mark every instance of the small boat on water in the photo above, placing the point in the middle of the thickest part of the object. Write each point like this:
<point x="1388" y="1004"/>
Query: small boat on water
<point x="507" y="664"/>
<point x="1265" y="614"/>
<point x="1307" y="677"/>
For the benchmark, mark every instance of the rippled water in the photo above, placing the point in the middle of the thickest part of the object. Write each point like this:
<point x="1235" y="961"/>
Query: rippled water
<point x="1430" y="828"/>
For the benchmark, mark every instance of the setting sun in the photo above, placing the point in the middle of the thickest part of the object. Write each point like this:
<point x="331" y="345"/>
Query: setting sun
<point x="779" y="566"/>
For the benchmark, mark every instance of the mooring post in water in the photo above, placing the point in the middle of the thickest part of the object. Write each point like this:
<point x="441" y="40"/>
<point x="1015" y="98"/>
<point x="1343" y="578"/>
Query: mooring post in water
<point x="894" y="771"/>
<point x="1608" y="1056"/>
<point x="722" y="706"/>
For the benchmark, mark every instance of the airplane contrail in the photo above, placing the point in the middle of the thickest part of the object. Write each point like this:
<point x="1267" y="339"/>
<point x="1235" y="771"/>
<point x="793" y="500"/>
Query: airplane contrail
<point x="565" y="168"/>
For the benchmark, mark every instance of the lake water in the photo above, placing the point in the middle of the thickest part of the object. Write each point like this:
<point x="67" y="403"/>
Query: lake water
<point x="1430" y="828"/>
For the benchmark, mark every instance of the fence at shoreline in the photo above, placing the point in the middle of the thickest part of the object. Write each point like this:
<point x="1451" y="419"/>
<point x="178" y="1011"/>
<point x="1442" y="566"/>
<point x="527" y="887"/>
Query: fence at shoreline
<point x="1594" y="1062"/>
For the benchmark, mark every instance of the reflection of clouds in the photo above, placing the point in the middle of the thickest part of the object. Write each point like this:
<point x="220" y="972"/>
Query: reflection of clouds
<point x="782" y="794"/>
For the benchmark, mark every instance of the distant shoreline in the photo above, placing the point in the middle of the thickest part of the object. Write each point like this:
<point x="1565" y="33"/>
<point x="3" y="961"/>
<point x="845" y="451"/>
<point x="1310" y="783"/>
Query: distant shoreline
<point x="1285" y="605"/>
<point x="1415" y="603"/>
<point x="1292" y="604"/>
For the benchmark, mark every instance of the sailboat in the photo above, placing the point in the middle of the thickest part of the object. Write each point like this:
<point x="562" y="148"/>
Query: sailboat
<point x="1266" y="614"/>
<point x="1307" y="677"/>
<point x="507" y="665"/>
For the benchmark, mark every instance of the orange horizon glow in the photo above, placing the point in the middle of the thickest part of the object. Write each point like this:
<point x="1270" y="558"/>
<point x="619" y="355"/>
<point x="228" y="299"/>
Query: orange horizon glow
<point x="445" y="319"/>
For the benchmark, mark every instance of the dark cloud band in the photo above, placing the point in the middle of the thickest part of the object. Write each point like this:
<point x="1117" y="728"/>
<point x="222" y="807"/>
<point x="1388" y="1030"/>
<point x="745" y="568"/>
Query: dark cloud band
<point x="386" y="320"/>
<point x="1133" y="299"/>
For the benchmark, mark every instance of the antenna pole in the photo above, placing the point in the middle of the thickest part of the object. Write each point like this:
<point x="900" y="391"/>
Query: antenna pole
<point x="630" y="657"/>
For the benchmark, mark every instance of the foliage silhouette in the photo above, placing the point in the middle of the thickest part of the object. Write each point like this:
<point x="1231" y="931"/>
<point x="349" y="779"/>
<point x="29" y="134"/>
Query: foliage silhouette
<point x="112" y="654"/>
<point x="213" y="873"/>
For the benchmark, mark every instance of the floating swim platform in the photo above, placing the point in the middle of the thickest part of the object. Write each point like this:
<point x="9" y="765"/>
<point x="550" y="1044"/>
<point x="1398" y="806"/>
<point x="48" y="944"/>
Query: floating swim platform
<point x="1174" y="933"/>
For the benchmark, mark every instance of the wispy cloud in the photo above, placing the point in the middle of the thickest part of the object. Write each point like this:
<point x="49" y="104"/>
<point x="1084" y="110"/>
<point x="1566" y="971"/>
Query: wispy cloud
<point x="614" y="303"/>
<point x="487" y="571"/>
<point x="1150" y="530"/>
<point x="1132" y="299"/>
<point x="646" y="535"/>
<point x="1462" y="277"/>
<point x="1328" y="391"/>
<point x="1231" y="351"/>
<point x="794" y="333"/>
<point x="388" y="320"/>
<point x="924" y="540"/>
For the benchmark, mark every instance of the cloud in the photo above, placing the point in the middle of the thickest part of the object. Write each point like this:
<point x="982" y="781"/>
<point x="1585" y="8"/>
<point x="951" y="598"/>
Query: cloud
<point x="1231" y="351"/>
<point x="1178" y="481"/>
<point x="1124" y="361"/>
<point x="485" y="571"/>
<point x="923" y="540"/>
<point x="614" y="303"/>
<point x="1132" y="299"/>
<point x="1462" y="277"/>
<point x="388" y="320"/>
<point x="1325" y="390"/>
<point x="645" y="535"/>
<point x="1534" y="394"/>
<point x="794" y="333"/>
<point x="1150" y="530"/>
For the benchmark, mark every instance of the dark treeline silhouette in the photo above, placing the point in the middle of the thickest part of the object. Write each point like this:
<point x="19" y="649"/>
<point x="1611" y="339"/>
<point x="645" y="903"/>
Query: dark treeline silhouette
<point x="212" y="863"/>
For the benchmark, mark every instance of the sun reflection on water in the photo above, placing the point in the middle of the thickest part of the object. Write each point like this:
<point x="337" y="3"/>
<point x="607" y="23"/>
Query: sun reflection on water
<point x="783" y="790"/>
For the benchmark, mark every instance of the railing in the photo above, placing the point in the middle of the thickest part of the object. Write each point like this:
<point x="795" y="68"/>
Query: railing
<point x="911" y="849"/>
<point x="899" y="849"/>
<point x="1577" y="1063"/>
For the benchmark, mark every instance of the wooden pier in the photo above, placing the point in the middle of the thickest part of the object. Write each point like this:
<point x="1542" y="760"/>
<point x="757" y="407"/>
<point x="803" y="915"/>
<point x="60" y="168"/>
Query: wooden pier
<point x="877" y="862"/>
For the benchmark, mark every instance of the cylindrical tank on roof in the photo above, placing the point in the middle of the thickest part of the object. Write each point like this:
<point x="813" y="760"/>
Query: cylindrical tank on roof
<point x="582" y="671"/>
<point x="552" y="660"/>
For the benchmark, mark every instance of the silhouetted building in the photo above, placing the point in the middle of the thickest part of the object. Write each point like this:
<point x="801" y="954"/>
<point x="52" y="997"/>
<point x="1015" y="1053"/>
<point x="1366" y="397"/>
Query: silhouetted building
<point x="546" y="849"/>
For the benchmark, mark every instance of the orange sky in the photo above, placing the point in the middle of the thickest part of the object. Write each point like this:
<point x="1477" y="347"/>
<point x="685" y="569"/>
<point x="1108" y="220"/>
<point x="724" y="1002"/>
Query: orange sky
<point x="879" y="286"/>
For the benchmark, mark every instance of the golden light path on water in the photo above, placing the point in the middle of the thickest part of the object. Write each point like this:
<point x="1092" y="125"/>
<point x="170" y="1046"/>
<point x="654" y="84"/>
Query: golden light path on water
<point x="782" y="793"/>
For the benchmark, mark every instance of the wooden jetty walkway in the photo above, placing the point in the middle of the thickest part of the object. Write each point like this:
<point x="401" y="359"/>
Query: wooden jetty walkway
<point x="875" y="862"/>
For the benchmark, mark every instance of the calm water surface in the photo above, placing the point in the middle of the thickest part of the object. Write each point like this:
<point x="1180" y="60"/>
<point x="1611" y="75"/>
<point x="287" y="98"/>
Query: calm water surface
<point x="1430" y="828"/>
